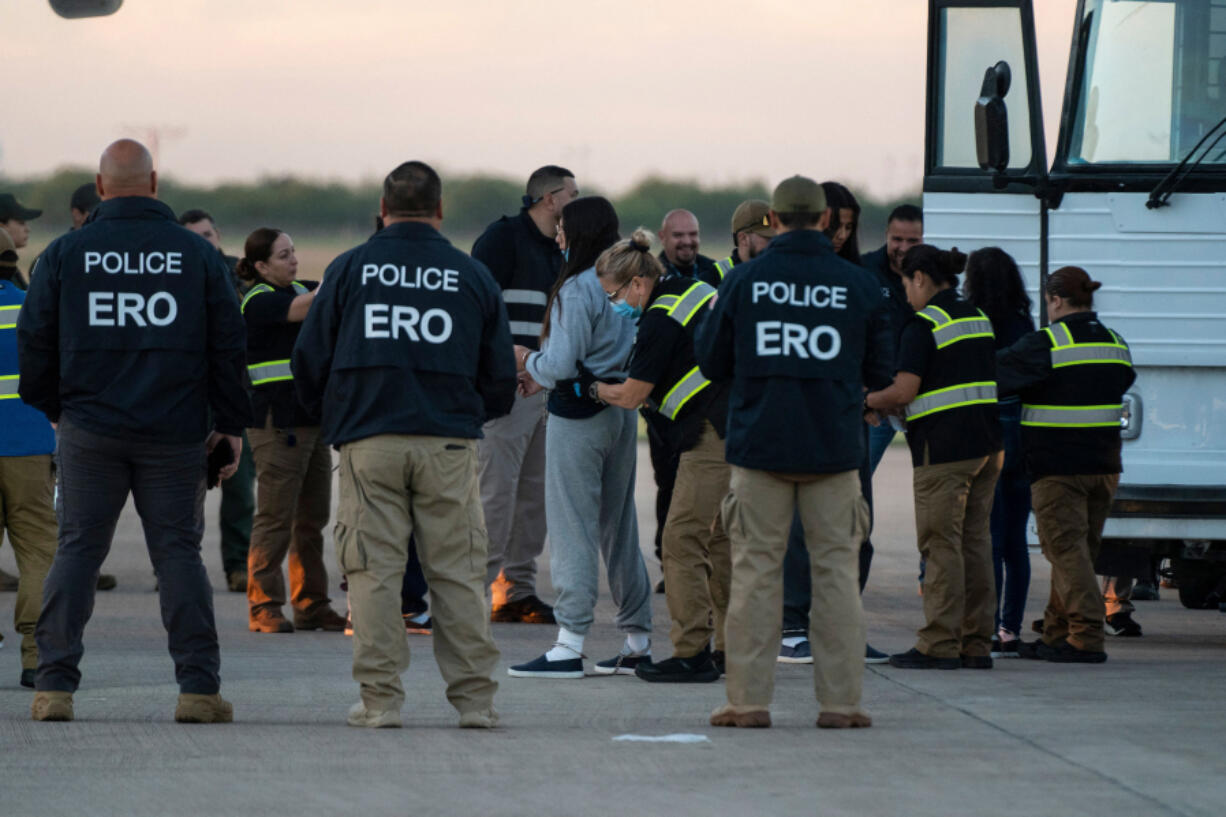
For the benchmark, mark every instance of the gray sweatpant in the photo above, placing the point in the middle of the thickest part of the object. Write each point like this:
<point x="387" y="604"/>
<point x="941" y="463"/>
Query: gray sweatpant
<point x="589" y="505"/>
<point x="512" y="466"/>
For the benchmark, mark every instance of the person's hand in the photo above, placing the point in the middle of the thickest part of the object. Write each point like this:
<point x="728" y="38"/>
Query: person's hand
<point x="521" y="355"/>
<point x="528" y="386"/>
<point x="236" y="445"/>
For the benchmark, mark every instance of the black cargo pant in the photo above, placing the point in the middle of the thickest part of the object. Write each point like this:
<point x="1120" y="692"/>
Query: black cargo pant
<point x="96" y="474"/>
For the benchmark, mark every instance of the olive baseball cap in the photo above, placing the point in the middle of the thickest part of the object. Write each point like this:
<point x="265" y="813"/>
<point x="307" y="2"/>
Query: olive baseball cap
<point x="753" y="216"/>
<point x="798" y="195"/>
<point x="10" y="209"/>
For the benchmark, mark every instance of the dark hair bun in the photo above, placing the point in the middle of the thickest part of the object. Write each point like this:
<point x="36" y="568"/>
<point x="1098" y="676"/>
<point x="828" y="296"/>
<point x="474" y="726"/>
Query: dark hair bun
<point x="245" y="270"/>
<point x="952" y="263"/>
<point x="1073" y="284"/>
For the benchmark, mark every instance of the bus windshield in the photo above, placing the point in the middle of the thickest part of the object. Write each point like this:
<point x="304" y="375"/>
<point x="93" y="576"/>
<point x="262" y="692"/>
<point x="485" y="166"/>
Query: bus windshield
<point x="1151" y="81"/>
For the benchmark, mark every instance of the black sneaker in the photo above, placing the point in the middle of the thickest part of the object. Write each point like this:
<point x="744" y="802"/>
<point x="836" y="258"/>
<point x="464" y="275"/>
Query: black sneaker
<point x="1036" y="650"/>
<point x="1005" y="649"/>
<point x="528" y="610"/>
<point x="697" y="669"/>
<point x="1144" y="591"/>
<point x="622" y="664"/>
<point x="1066" y="653"/>
<point x="720" y="660"/>
<point x="874" y="656"/>
<point x="27" y="678"/>
<point x="542" y="667"/>
<point x="976" y="661"/>
<point x="914" y="659"/>
<point x="1121" y="624"/>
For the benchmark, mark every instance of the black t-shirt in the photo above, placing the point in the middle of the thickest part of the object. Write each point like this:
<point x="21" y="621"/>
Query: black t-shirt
<point x="662" y="355"/>
<point x="270" y="336"/>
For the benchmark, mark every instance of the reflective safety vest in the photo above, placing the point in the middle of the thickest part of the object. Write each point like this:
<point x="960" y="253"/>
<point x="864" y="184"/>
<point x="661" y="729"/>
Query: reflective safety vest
<point x="262" y="372"/>
<point x="8" y="321"/>
<point x="1065" y="353"/>
<point x="724" y="266"/>
<point x="947" y="331"/>
<point x="682" y="308"/>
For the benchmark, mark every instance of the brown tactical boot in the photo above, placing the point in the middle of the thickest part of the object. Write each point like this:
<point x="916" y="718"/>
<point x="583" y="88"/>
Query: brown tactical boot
<point x="203" y="709"/>
<point x="746" y="717"/>
<point x="836" y="720"/>
<point x="325" y="618"/>
<point x="479" y="719"/>
<point x="51" y="706"/>
<point x="269" y="621"/>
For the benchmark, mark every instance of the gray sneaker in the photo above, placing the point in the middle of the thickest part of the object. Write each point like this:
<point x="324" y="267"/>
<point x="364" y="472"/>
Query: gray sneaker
<point x="800" y="654"/>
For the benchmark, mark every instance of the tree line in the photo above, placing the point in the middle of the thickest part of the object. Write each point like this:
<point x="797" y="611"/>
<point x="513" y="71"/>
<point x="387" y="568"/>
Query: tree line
<point x="471" y="202"/>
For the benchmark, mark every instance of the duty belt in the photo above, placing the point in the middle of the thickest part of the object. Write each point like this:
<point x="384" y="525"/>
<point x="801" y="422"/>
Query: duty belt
<point x="269" y="372"/>
<point x="8" y="316"/>
<point x="1067" y="352"/>
<point x="947" y="330"/>
<point x="8" y="386"/>
<point x="952" y="397"/>
<point x="1073" y="416"/>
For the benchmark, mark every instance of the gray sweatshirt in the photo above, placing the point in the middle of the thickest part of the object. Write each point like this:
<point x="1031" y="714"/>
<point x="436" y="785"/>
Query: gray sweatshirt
<point x="582" y="327"/>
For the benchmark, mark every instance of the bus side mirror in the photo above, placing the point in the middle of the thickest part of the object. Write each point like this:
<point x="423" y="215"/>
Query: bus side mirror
<point x="992" y="119"/>
<point x="85" y="8"/>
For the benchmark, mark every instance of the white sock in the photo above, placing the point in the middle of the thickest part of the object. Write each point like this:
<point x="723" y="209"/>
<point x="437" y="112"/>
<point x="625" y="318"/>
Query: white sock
<point x="569" y="646"/>
<point x="793" y="640"/>
<point x="637" y="643"/>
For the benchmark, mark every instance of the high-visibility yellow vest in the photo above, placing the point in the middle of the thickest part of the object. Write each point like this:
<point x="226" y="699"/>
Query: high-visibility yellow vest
<point x="1067" y="352"/>
<point x="269" y="371"/>
<point x="682" y="308"/>
<point x="947" y="331"/>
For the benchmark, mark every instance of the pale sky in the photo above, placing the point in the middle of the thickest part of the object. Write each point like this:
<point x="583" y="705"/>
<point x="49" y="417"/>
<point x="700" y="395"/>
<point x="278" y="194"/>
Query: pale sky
<point x="714" y="90"/>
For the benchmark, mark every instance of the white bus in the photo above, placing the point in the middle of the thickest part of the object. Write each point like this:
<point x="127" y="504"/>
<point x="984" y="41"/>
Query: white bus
<point x="1136" y="194"/>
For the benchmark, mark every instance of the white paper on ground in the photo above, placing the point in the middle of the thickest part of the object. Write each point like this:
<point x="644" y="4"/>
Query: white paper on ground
<point x="677" y="738"/>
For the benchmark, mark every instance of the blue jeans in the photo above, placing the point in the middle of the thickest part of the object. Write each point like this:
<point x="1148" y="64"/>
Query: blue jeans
<point x="1010" y="509"/>
<point x="879" y="439"/>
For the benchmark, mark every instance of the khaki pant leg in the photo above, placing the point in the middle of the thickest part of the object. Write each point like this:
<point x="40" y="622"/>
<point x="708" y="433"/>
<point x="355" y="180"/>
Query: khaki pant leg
<point x="28" y="486"/>
<point x="279" y="471"/>
<point x="373" y="525"/>
<point x="757" y="515"/>
<point x="308" y="575"/>
<point x="702" y="484"/>
<point x="451" y="541"/>
<point x="1061" y="508"/>
<point x="835" y="517"/>
<point x="941" y="494"/>
<point x="979" y="615"/>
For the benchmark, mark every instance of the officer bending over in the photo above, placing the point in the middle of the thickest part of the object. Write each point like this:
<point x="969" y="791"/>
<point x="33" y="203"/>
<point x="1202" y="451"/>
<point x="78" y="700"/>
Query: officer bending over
<point x="407" y="351"/>
<point x="690" y="415"/>
<point x="798" y="334"/>
<point x="130" y="335"/>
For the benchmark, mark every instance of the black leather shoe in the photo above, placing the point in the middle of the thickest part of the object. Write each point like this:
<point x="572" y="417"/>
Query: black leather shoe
<point x="1036" y="650"/>
<point x="976" y="661"/>
<point x="697" y="669"/>
<point x="1066" y="653"/>
<point x="914" y="659"/>
<point x="27" y="678"/>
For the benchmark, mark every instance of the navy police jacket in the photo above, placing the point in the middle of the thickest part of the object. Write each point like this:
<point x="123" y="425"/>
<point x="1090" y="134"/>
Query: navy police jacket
<point x="407" y="335"/>
<point x="131" y="330"/>
<point x="800" y="333"/>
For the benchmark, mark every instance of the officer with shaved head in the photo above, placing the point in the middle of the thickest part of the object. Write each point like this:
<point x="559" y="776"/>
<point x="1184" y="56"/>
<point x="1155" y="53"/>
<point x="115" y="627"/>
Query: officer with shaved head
<point x="131" y="342"/>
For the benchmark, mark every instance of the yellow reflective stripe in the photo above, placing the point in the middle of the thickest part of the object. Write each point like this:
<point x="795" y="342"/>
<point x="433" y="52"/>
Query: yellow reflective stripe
<point x="8" y="386"/>
<point x="683" y="307"/>
<point x="1066" y="336"/>
<point x="1108" y="416"/>
<point x="1082" y="353"/>
<point x="269" y="372"/>
<point x="255" y="290"/>
<point x="691" y="384"/>
<point x="724" y="266"/>
<point x="961" y="329"/>
<point x="935" y="314"/>
<point x="5" y="317"/>
<point x="952" y="397"/>
<point x="665" y="302"/>
<point x="300" y="288"/>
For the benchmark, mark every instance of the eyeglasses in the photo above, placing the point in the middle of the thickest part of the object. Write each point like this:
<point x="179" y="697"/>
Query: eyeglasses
<point x="613" y="295"/>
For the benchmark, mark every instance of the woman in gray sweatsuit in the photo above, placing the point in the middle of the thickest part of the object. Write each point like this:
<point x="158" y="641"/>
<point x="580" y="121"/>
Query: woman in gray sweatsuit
<point x="590" y="452"/>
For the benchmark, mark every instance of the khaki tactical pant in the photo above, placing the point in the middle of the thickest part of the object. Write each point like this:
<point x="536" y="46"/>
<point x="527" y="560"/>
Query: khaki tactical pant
<point x="757" y="514"/>
<point x="1070" y="512"/>
<point x="953" y="512"/>
<point x="393" y="486"/>
<point x="294" y="499"/>
<point x="696" y="555"/>
<point x="27" y="512"/>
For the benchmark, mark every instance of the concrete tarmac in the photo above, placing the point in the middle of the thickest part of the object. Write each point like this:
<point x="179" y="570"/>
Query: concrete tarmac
<point x="1139" y="735"/>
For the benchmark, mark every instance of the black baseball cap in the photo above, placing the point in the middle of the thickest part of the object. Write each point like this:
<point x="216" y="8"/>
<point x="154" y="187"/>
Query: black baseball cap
<point x="10" y="209"/>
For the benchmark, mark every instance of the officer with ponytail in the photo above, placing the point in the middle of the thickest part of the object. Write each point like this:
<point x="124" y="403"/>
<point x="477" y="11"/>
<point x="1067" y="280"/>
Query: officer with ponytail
<point x="1072" y="376"/>
<point x="293" y="465"/>
<point x="945" y="388"/>
<point x="690" y="414"/>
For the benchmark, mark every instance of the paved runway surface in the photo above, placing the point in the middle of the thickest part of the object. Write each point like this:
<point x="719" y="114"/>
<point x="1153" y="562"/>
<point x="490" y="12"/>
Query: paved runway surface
<point x="1140" y="735"/>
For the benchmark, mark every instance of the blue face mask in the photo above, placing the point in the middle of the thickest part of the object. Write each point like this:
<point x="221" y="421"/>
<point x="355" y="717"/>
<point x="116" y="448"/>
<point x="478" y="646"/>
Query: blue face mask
<point x="566" y="254"/>
<point x="627" y="311"/>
